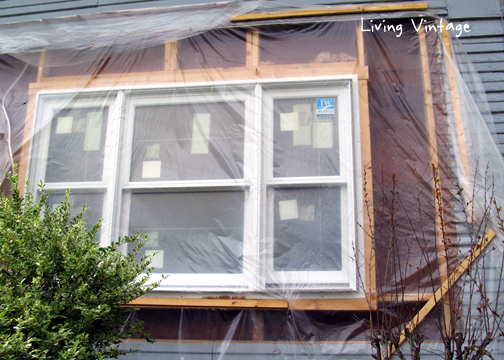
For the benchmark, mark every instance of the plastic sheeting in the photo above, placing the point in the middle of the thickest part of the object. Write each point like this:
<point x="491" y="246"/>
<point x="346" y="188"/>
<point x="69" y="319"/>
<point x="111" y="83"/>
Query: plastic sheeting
<point x="268" y="160"/>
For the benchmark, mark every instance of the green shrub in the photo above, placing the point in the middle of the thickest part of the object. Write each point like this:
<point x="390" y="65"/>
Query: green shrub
<point x="60" y="292"/>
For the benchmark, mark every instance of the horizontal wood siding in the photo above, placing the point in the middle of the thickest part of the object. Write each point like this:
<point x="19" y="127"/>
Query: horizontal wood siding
<point x="484" y="45"/>
<point x="25" y="10"/>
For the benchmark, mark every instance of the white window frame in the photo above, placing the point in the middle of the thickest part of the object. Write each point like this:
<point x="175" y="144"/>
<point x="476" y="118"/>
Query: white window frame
<point x="310" y="281"/>
<point x="258" y="275"/>
<point x="195" y="282"/>
<point x="47" y="106"/>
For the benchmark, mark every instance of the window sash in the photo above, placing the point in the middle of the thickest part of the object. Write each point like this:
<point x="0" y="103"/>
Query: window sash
<point x="312" y="280"/>
<point x="48" y="105"/>
<point x="197" y="282"/>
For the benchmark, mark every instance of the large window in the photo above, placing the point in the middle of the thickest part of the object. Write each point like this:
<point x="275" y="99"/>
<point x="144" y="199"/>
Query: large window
<point x="239" y="186"/>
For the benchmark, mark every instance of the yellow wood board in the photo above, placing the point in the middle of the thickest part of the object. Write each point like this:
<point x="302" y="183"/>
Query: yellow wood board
<point x="210" y="303"/>
<point x="335" y="10"/>
<point x="200" y="76"/>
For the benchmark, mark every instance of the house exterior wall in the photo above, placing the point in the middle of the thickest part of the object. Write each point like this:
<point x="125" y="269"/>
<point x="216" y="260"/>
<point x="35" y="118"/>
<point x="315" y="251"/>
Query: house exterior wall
<point x="484" y="45"/>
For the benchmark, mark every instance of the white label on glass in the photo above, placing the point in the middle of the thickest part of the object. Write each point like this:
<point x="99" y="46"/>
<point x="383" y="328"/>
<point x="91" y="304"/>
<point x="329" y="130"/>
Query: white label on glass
<point x="289" y="122"/>
<point x="79" y="126"/>
<point x="201" y="133"/>
<point x="288" y="209"/>
<point x="323" y="134"/>
<point x="93" y="131"/>
<point x="307" y="213"/>
<point x="305" y="114"/>
<point x="151" y="169"/>
<point x="302" y="136"/>
<point x="64" y="125"/>
<point x="157" y="260"/>
<point x="152" y="151"/>
<point x="152" y="240"/>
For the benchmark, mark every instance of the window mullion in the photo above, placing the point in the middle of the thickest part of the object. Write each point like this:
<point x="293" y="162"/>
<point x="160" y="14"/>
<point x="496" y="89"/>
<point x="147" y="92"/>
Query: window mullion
<point x="111" y="167"/>
<point x="255" y="194"/>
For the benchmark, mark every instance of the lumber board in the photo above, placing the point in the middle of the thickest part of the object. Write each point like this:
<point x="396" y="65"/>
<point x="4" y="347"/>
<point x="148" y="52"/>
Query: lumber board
<point x="208" y="303"/>
<point x="129" y="80"/>
<point x="252" y="48"/>
<point x="336" y="10"/>
<point x="25" y="148"/>
<point x="171" y="56"/>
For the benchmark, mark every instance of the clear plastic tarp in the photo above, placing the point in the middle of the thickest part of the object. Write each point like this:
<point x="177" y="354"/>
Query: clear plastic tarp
<point x="308" y="183"/>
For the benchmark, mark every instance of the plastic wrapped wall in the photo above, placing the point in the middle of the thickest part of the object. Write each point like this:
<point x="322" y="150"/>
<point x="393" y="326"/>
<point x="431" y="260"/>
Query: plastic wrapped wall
<point x="282" y="168"/>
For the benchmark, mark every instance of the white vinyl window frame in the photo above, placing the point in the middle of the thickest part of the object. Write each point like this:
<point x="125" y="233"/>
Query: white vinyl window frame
<point x="257" y="183"/>
<point x="199" y="95"/>
<point x="309" y="281"/>
<point x="50" y="104"/>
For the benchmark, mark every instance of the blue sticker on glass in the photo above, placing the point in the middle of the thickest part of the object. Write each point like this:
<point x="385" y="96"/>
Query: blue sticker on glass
<point x="325" y="107"/>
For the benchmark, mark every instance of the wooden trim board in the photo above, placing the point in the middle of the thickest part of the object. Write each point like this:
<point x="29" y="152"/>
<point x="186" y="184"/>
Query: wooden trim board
<point x="209" y="303"/>
<point x="199" y="75"/>
<point x="278" y="304"/>
<point x="335" y="10"/>
<point x="432" y="141"/>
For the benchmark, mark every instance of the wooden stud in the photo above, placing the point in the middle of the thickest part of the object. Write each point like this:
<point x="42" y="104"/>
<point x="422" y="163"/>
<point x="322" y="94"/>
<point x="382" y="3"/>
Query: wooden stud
<point x="27" y="137"/>
<point x="431" y="128"/>
<point x="367" y="186"/>
<point x="336" y="10"/>
<point x="443" y="289"/>
<point x="428" y="102"/>
<point x="367" y="176"/>
<point x="252" y="48"/>
<point x="361" y="60"/>
<point x="456" y="104"/>
<point x="171" y="56"/>
<point x="43" y="70"/>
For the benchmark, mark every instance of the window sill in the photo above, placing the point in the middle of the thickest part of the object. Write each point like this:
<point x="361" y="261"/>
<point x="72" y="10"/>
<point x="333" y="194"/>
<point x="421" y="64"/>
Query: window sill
<point x="348" y="304"/>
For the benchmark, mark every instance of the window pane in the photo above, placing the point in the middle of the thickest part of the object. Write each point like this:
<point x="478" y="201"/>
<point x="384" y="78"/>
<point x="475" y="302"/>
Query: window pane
<point x="307" y="229"/>
<point x="93" y="212"/>
<point x="188" y="142"/>
<point x="306" y="142"/>
<point x="76" y="145"/>
<point x="193" y="232"/>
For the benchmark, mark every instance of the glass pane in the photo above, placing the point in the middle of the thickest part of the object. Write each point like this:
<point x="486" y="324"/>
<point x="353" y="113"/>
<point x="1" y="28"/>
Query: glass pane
<point x="188" y="142"/>
<point x="192" y="232"/>
<point x="306" y="137"/>
<point x="76" y="145"/>
<point x="93" y="212"/>
<point x="307" y="229"/>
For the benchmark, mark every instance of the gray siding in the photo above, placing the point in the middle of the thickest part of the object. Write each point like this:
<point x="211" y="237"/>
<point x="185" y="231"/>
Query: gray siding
<point x="24" y="10"/>
<point x="485" y="47"/>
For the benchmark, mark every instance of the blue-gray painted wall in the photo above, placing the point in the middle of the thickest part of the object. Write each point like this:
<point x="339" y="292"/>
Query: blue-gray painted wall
<point x="484" y="44"/>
